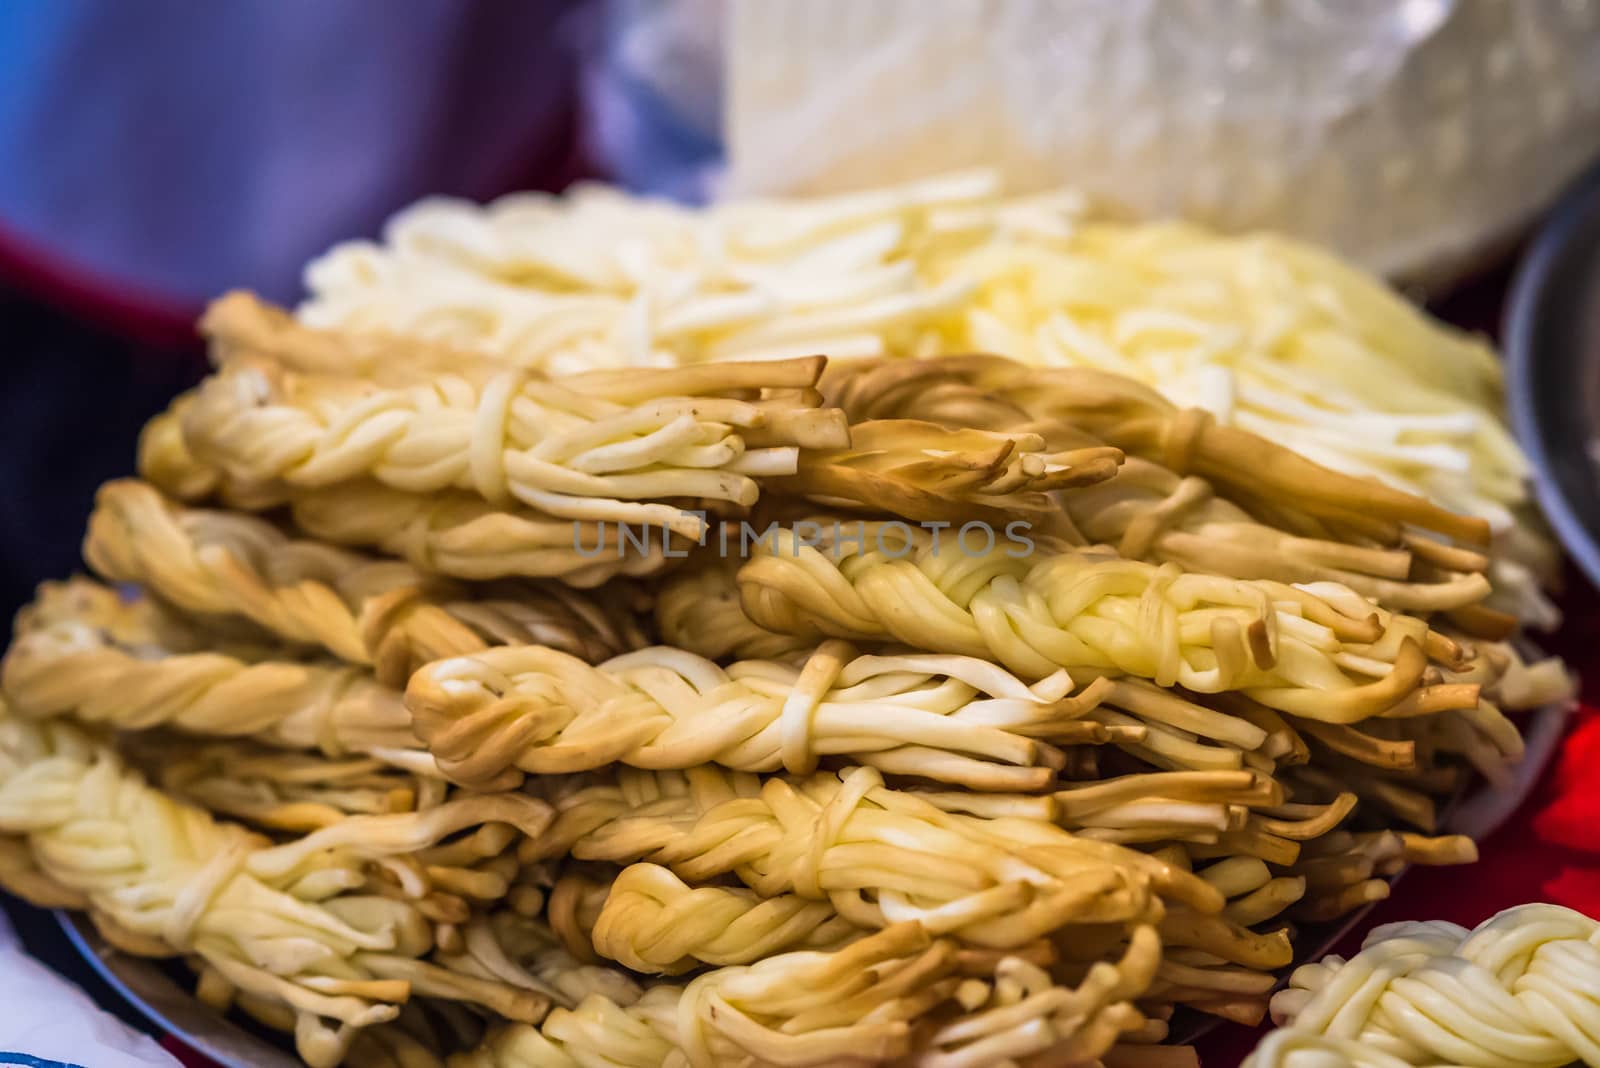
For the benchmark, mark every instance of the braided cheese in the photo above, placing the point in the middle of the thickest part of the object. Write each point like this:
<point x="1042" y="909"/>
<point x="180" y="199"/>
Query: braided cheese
<point x="697" y="609"/>
<point x="930" y="473"/>
<point x="436" y="848"/>
<point x="169" y="874"/>
<point x="463" y="536"/>
<point x="649" y="920"/>
<point x="854" y="1006"/>
<point x="1521" y="990"/>
<point x="1135" y="418"/>
<point x="64" y="660"/>
<point x="1323" y="653"/>
<point x="276" y="789"/>
<point x="377" y="613"/>
<point x="878" y="855"/>
<point x="952" y="718"/>
<point x="585" y="447"/>
<point x="1150" y="513"/>
<point x="1269" y="335"/>
<point x="444" y="851"/>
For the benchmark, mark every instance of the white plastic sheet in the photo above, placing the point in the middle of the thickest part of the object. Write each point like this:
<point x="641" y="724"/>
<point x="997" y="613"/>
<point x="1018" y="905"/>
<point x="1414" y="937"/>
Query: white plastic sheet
<point x="1411" y="135"/>
<point x="46" y="1022"/>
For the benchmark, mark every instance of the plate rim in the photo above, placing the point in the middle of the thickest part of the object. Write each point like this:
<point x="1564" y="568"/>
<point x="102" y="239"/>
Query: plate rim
<point x="1526" y="313"/>
<point x="143" y="985"/>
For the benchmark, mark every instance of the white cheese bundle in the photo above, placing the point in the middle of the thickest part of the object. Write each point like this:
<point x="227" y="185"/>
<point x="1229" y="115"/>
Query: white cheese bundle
<point x="1264" y="332"/>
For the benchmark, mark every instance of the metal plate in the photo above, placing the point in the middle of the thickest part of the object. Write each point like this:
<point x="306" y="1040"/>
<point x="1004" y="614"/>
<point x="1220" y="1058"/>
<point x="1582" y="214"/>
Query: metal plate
<point x="1552" y="342"/>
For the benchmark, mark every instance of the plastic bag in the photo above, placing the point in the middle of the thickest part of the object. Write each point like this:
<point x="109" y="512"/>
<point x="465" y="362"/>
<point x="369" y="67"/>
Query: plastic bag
<point x="1412" y="135"/>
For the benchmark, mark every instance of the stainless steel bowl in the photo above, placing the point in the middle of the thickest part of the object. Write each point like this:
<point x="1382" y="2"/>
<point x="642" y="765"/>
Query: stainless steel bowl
<point x="1552" y="342"/>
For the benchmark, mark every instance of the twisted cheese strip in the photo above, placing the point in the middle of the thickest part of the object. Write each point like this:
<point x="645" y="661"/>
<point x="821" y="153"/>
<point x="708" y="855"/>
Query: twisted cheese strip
<point x="169" y="878"/>
<point x="911" y="468"/>
<point x="697" y="608"/>
<point x="649" y="920"/>
<point x="64" y="660"/>
<point x="949" y="718"/>
<point x="277" y="789"/>
<point x="1149" y="513"/>
<point x="453" y="533"/>
<point x="1522" y="990"/>
<point x="878" y="855"/>
<point x="372" y="612"/>
<point x="857" y="1006"/>
<point x="1268" y="479"/>
<point x="1323" y="653"/>
<point x="362" y="808"/>
<point x="304" y="792"/>
<point x="525" y="951"/>
<point x="594" y="446"/>
<point x="465" y="537"/>
<point x="926" y="472"/>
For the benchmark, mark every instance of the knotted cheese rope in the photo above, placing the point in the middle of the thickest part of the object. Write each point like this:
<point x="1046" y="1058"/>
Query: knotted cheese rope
<point x="593" y="447"/>
<point x="926" y="472"/>
<point x="65" y="660"/>
<point x="854" y="1006"/>
<point x="1150" y="513"/>
<point x="524" y="951"/>
<point x="651" y="921"/>
<point x="454" y="533"/>
<point x="465" y="537"/>
<point x="165" y="877"/>
<point x="380" y="805"/>
<point x="941" y="717"/>
<point x="697" y="608"/>
<point x="878" y="855"/>
<point x="1521" y="990"/>
<point x="278" y="789"/>
<point x="1323" y="653"/>
<point x="1267" y="479"/>
<point x="372" y="612"/>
